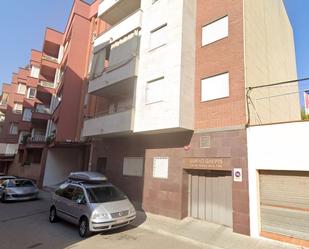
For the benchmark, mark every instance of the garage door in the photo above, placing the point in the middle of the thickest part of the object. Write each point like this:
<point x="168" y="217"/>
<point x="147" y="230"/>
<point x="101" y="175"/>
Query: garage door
<point x="284" y="198"/>
<point x="210" y="196"/>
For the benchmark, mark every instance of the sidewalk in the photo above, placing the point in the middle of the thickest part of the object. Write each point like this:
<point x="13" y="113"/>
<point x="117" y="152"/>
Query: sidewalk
<point x="204" y="234"/>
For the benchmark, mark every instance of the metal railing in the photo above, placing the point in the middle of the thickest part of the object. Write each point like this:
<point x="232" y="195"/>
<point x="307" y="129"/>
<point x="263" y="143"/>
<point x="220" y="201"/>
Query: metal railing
<point x="47" y="84"/>
<point x="42" y="109"/>
<point x="50" y="58"/>
<point x="37" y="138"/>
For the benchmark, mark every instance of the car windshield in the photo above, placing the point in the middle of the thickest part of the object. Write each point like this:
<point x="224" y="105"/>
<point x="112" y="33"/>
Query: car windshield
<point x="102" y="194"/>
<point x="19" y="183"/>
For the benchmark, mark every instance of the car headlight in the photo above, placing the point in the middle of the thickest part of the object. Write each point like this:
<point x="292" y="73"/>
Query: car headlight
<point x="132" y="210"/>
<point x="100" y="216"/>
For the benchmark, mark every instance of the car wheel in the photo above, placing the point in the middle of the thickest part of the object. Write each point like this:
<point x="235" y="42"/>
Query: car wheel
<point x="53" y="215"/>
<point x="3" y="198"/>
<point x="84" y="231"/>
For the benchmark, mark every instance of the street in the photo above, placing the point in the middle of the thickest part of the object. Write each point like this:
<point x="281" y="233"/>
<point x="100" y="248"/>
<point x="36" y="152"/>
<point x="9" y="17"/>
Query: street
<point x="25" y="225"/>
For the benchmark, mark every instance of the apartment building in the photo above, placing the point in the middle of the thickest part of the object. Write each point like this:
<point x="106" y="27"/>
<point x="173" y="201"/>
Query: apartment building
<point x="168" y="110"/>
<point x="43" y="108"/>
<point x="155" y="94"/>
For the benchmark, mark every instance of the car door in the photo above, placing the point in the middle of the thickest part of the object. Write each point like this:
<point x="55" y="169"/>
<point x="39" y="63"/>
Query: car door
<point x="78" y="205"/>
<point x="64" y="202"/>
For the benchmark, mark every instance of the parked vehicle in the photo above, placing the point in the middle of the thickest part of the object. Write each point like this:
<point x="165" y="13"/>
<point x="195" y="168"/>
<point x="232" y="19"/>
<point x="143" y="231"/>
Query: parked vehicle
<point x="16" y="189"/>
<point x="92" y="203"/>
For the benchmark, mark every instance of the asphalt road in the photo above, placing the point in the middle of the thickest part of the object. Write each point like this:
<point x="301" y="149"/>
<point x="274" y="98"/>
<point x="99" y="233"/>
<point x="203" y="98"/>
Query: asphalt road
<point x="25" y="225"/>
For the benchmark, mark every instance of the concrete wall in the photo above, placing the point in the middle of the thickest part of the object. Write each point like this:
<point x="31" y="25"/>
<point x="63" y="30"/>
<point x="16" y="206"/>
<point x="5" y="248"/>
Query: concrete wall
<point x="270" y="58"/>
<point x="274" y="147"/>
<point x="60" y="162"/>
<point x="169" y="60"/>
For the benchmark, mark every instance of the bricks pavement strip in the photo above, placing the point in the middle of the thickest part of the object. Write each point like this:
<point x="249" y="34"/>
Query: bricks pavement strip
<point x="201" y="233"/>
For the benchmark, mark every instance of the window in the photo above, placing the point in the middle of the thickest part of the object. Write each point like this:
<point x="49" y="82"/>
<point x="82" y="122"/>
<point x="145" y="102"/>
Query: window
<point x="14" y="129"/>
<point x="215" y="31"/>
<point x="68" y="192"/>
<point x="154" y="91"/>
<point x="215" y="87"/>
<point x="158" y="37"/>
<point x="160" y="167"/>
<point x="31" y="93"/>
<point x="18" y="108"/>
<point x="27" y="115"/>
<point x="21" y="88"/>
<point x="79" y="195"/>
<point x="35" y="72"/>
<point x="133" y="166"/>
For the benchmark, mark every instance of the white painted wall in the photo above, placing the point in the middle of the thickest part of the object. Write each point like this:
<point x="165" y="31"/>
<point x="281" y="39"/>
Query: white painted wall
<point x="274" y="147"/>
<point x="169" y="61"/>
<point x="60" y="162"/>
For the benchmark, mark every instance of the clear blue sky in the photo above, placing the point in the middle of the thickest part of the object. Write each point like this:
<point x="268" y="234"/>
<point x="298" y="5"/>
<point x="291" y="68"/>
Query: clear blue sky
<point x="23" y="22"/>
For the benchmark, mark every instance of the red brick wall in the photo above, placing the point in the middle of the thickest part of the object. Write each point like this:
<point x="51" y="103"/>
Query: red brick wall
<point x="226" y="55"/>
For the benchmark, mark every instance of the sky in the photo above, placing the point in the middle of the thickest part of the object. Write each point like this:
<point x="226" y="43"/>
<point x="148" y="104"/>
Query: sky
<point x="23" y="23"/>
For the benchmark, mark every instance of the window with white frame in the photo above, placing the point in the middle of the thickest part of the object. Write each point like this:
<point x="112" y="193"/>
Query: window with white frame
<point x="14" y="129"/>
<point x="215" y="31"/>
<point x="31" y="94"/>
<point x="133" y="166"/>
<point x="160" y="167"/>
<point x="35" y="72"/>
<point x="18" y="108"/>
<point x="27" y="115"/>
<point x="22" y="88"/>
<point x="158" y="36"/>
<point x="215" y="87"/>
<point x="154" y="91"/>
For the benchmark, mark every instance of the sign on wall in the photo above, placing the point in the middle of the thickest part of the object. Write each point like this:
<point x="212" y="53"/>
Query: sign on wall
<point x="211" y="163"/>
<point x="237" y="173"/>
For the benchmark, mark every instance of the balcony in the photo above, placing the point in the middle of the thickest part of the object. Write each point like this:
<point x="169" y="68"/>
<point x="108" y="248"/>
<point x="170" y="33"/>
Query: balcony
<point x="47" y="84"/>
<point x="112" y="11"/>
<point x="37" y="138"/>
<point x="127" y="25"/>
<point x="41" y="112"/>
<point x="50" y="58"/>
<point x="116" y="123"/>
<point x="42" y="109"/>
<point x="3" y="106"/>
<point x="121" y="56"/>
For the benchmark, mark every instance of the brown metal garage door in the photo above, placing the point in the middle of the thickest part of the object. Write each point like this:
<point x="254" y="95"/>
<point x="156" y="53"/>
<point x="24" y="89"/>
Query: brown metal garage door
<point x="210" y="196"/>
<point x="284" y="198"/>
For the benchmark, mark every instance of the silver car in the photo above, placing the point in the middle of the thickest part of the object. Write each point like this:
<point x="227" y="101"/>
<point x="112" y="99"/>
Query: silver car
<point x="93" y="206"/>
<point x="18" y="189"/>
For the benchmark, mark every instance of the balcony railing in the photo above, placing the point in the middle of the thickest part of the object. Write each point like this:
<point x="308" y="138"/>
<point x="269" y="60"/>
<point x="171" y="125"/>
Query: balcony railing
<point x="47" y="84"/>
<point x="37" y="138"/>
<point x="42" y="109"/>
<point x="50" y="58"/>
